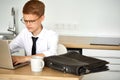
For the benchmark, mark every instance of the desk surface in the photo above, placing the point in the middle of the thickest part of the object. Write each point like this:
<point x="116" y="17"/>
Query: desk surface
<point x="24" y="73"/>
<point x="83" y="42"/>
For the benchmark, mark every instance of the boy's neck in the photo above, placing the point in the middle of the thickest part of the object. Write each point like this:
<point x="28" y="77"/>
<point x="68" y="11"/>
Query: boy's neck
<point x="37" y="31"/>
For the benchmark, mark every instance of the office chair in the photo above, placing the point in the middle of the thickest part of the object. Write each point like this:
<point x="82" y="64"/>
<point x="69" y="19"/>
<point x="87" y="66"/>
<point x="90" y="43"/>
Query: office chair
<point x="61" y="49"/>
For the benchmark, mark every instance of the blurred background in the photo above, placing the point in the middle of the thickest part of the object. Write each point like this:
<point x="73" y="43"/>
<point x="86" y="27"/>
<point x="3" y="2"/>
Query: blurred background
<point x="99" y="18"/>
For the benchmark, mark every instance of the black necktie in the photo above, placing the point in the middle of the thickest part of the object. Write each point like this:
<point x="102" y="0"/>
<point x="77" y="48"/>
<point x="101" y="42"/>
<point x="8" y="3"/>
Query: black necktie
<point x="34" y="39"/>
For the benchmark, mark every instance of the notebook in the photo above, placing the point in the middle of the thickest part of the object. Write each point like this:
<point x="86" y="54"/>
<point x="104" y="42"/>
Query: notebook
<point x="108" y="41"/>
<point x="6" y="57"/>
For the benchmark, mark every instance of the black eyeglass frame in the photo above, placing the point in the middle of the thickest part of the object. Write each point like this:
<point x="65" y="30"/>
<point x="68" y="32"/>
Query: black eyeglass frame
<point x="28" y="21"/>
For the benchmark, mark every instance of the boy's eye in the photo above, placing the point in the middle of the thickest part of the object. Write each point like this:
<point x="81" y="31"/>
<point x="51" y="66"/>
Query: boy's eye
<point x="30" y="21"/>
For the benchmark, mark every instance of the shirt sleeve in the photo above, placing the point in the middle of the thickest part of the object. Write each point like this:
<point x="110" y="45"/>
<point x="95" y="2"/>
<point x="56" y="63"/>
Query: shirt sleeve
<point x="16" y="43"/>
<point x="52" y="44"/>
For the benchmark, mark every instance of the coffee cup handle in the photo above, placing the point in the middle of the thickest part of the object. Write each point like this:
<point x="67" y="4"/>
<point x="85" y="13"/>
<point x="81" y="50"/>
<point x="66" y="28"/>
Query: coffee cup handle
<point x="42" y="64"/>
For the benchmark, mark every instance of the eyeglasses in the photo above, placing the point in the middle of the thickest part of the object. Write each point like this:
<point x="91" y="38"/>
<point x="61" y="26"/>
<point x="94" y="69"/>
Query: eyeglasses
<point x="28" y="21"/>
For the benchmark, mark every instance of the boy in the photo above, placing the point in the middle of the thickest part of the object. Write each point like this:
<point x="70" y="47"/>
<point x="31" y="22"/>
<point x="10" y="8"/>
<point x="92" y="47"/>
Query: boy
<point x="46" y="40"/>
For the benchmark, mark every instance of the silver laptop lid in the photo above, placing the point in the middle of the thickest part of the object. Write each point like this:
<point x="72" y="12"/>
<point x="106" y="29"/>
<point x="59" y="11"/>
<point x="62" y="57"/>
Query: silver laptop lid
<point x="5" y="55"/>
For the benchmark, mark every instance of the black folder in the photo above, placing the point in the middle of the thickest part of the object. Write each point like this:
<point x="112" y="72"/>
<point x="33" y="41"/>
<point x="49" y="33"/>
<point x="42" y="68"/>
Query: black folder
<point x="75" y="63"/>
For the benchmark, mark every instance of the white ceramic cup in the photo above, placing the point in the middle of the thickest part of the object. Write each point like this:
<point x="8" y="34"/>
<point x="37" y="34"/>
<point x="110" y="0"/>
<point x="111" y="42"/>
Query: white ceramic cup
<point x="37" y="63"/>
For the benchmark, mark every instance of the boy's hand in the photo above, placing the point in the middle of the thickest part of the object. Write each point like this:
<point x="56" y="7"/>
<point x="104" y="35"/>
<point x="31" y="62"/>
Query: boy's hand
<point x="20" y="59"/>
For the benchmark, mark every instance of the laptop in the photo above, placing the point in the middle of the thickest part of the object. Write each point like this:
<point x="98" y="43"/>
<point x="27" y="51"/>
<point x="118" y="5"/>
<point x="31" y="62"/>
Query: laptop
<point x="6" y="56"/>
<point x="107" y="41"/>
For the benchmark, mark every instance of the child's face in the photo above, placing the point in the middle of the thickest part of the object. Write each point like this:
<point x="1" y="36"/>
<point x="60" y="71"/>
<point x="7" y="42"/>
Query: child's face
<point x="33" y="23"/>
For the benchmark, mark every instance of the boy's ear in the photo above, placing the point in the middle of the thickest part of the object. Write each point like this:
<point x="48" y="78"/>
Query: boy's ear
<point x="42" y="17"/>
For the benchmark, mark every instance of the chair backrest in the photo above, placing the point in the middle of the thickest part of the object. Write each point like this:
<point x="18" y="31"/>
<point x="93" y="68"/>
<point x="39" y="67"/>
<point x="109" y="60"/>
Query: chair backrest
<point x="61" y="49"/>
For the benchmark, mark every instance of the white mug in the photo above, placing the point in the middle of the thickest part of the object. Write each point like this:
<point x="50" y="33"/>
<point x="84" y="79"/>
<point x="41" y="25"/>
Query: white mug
<point x="37" y="63"/>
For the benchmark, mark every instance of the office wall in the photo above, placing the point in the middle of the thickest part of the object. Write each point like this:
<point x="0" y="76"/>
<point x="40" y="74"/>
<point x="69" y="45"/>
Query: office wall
<point x="6" y="18"/>
<point x="72" y="17"/>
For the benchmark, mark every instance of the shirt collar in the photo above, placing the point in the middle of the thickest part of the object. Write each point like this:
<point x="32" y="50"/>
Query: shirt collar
<point x="40" y="35"/>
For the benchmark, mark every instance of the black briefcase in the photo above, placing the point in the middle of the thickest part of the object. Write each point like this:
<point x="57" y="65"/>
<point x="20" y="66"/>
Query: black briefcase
<point x="75" y="63"/>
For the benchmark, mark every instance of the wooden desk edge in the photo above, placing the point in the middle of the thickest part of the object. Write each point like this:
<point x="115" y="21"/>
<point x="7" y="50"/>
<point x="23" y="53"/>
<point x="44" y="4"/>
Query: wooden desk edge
<point x="30" y="77"/>
<point x="83" y="43"/>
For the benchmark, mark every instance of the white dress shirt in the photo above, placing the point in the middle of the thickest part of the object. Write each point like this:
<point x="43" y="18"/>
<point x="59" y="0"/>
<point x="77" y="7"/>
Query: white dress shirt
<point x="46" y="43"/>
